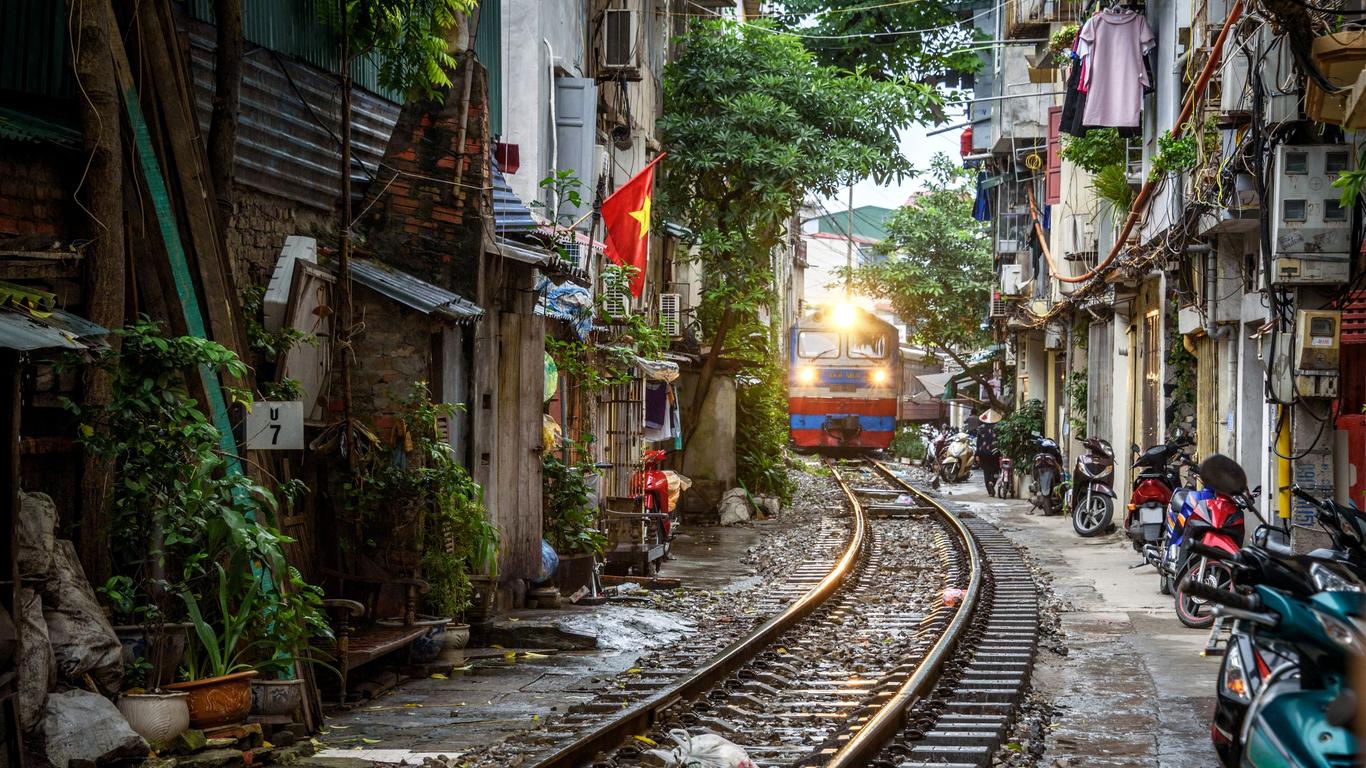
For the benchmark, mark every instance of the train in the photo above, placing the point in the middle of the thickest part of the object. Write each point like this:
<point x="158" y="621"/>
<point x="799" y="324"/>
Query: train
<point x="844" y="380"/>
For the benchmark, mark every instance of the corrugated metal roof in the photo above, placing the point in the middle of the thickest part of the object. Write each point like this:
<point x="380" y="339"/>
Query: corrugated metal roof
<point x="288" y="124"/>
<point x="510" y="214"/>
<point x="412" y="292"/>
<point x="25" y="332"/>
<point x="33" y="48"/>
<point x="21" y="126"/>
<point x="527" y="254"/>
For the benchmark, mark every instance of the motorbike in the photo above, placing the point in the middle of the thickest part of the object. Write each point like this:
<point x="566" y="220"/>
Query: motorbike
<point x="1251" y="657"/>
<point x="1047" y="475"/>
<point x="1159" y="474"/>
<point x="1092" y="497"/>
<point x="1212" y="517"/>
<point x="651" y="485"/>
<point x="956" y="464"/>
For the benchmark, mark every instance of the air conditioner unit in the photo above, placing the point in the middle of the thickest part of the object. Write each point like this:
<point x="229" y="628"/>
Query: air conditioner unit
<point x="619" y="39"/>
<point x="1310" y="230"/>
<point x="616" y="296"/>
<point x="671" y="314"/>
<point x="997" y="308"/>
<point x="1008" y="246"/>
<point x="1012" y="275"/>
<point x="571" y="251"/>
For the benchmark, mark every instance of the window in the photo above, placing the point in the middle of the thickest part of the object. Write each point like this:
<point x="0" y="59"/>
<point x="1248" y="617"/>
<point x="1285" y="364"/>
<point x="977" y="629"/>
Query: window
<point x="1335" y="162"/>
<point x="1294" y="210"/>
<point x="1333" y="210"/>
<point x="868" y="345"/>
<point x="1296" y="162"/>
<point x="818" y="344"/>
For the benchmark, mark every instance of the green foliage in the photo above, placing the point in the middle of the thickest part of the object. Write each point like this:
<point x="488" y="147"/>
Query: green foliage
<point x="271" y="344"/>
<point x="761" y="431"/>
<point x="1181" y="369"/>
<point x="907" y="444"/>
<point x="1351" y="182"/>
<point x="407" y="36"/>
<point x="565" y="189"/>
<point x="873" y="35"/>
<point x="1060" y="43"/>
<point x="1098" y="149"/>
<point x="1175" y="155"/>
<point x="424" y="488"/>
<point x="754" y="124"/>
<point x="1112" y="186"/>
<point x="570" y="521"/>
<point x="224" y="645"/>
<point x="1014" y="433"/>
<point x="1076" y="397"/>
<point x="938" y="274"/>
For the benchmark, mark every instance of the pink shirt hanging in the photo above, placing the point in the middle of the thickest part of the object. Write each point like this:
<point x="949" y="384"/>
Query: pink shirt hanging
<point x="1112" y="45"/>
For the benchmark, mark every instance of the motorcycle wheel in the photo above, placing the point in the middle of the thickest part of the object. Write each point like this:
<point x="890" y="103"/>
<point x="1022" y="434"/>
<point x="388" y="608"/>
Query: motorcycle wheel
<point x="948" y="473"/>
<point x="1092" y="517"/>
<point x="1164" y="586"/>
<point x="1046" y="493"/>
<point x="1192" y="611"/>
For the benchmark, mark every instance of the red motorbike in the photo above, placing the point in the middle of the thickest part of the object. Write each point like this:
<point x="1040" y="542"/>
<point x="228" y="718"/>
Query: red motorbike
<point x="1214" y="520"/>
<point x="651" y="485"/>
<point x="1159" y="473"/>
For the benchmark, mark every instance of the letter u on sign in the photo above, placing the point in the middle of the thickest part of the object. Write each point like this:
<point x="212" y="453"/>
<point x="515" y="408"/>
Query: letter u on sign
<point x="275" y="426"/>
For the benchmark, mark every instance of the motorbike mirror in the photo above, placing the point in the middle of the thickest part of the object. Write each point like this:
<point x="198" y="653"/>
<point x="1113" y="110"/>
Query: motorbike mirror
<point x="1256" y="491"/>
<point x="1135" y="448"/>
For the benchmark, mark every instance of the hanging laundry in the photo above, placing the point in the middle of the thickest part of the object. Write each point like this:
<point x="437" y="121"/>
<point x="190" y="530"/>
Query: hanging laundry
<point x="1112" y="45"/>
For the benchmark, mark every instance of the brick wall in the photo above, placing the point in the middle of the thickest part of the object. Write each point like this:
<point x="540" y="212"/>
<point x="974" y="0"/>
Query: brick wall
<point x="258" y="227"/>
<point x="35" y="184"/>
<point x="393" y="351"/>
<point x="422" y="219"/>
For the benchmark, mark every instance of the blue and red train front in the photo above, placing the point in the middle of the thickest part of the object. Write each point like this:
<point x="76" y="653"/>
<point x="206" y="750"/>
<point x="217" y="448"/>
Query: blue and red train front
<point x="844" y="380"/>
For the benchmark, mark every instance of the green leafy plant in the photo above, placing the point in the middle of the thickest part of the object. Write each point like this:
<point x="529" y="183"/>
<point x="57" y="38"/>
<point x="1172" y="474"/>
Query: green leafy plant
<point x="224" y="646"/>
<point x="570" y="522"/>
<point x="565" y="189"/>
<point x="1098" y="149"/>
<point x="1060" y="43"/>
<point x="761" y="421"/>
<point x="1076" y="397"/>
<point x="1112" y="185"/>
<point x="908" y="444"/>
<point x="1175" y="155"/>
<point x="269" y="345"/>
<point x="1015" y="433"/>
<point x="1350" y="182"/>
<point x="923" y="41"/>
<point x="406" y="37"/>
<point x="1181" y="370"/>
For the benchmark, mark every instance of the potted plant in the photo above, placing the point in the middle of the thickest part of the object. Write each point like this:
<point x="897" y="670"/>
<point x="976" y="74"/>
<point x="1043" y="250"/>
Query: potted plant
<point x="289" y="632"/>
<point x="570" y="521"/>
<point x="215" y="662"/>
<point x="483" y="562"/>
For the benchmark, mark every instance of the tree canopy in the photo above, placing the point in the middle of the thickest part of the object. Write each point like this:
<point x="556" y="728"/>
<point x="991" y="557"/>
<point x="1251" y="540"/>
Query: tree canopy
<point x="921" y="39"/>
<point x="408" y="36"/>
<point x="938" y="274"/>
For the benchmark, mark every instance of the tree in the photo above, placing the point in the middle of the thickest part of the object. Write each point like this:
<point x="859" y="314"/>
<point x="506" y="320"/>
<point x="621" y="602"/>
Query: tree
<point x="925" y="40"/>
<point x="754" y="124"/>
<point x="227" y="93"/>
<point x="938" y="273"/>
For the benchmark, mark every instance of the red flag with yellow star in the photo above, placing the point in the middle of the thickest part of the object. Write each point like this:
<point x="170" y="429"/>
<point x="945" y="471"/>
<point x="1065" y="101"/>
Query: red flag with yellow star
<point x="626" y="213"/>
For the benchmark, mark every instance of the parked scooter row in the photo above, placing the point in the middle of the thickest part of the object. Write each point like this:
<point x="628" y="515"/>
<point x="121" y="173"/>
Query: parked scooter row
<point x="1284" y="695"/>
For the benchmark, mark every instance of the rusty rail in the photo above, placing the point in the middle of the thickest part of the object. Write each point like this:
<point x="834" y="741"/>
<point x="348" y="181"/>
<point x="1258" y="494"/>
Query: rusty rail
<point x="639" y="718"/>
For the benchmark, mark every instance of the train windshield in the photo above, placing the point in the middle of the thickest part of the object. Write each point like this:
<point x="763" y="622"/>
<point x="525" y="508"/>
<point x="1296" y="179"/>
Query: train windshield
<point x="815" y="344"/>
<point x="869" y="344"/>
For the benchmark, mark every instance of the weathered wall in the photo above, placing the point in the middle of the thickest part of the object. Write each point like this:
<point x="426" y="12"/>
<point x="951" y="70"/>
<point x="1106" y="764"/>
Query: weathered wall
<point x="709" y="459"/>
<point x="258" y="227"/>
<point x="392" y="352"/>
<point x="34" y="191"/>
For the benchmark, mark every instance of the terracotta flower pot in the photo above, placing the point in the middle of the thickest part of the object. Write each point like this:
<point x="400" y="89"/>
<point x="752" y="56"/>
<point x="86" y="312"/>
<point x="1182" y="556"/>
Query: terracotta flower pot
<point x="276" y="697"/>
<point x="156" y="717"/>
<point x="218" y="701"/>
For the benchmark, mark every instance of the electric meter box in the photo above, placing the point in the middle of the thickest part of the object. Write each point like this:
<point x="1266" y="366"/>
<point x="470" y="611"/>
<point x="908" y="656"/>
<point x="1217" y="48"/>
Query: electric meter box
<point x="1310" y="230"/>
<point x="1309" y="368"/>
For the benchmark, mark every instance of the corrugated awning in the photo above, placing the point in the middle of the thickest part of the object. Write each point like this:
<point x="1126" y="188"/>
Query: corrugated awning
<point x="413" y="292"/>
<point x="544" y="259"/>
<point x="510" y="214"/>
<point x="25" y="332"/>
<point x="22" y="126"/>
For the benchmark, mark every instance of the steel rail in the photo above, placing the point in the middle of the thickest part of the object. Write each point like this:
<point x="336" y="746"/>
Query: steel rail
<point x="639" y="718"/>
<point x="888" y="720"/>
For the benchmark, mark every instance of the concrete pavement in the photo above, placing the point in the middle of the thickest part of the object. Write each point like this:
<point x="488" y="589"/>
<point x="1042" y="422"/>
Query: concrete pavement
<point x="1132" y="689"/>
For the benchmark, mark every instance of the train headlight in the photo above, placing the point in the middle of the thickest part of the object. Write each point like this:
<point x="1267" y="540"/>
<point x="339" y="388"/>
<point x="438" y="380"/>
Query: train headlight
<point x="880" y="376"/>
<point x="806" y="375"/>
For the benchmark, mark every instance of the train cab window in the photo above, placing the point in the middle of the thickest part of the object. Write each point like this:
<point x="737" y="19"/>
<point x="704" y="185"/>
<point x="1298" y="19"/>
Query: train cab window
<point x="871" y="344"/>
<point x="817" y="344"/>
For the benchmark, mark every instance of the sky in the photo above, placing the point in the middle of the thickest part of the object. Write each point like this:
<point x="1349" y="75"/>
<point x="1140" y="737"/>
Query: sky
<point x="919" y="147"/>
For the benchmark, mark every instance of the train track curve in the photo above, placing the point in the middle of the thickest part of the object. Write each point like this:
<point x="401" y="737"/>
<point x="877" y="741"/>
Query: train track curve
<point x="912" y="649"/>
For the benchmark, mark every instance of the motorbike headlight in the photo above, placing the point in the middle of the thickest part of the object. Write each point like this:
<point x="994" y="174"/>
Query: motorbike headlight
<point x="1235" y="683"/>
<point x="1340" y="632"/>
<point x="1107" y="450"/>
<point x="1328" y="580"/>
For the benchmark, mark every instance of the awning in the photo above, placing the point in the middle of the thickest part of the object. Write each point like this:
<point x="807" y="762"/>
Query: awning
<point x="542" y="258"/>
<point x="25" y="332"/>
<point x="935" y="383"/>
<point x="412" y="292"/>
<point x="510" y="214"/>
<point x="22" y="126"/>
<point x="965" y="378"/>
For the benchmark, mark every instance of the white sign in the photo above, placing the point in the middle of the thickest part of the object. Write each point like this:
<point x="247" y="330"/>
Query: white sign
<point x="276" y="426"/>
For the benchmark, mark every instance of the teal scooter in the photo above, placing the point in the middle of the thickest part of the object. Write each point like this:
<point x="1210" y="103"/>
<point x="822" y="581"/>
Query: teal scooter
<point x="1304" y="713"/>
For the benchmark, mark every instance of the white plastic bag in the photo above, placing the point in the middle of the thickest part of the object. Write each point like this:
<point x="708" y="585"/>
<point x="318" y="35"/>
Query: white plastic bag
<point x="705" y="750"/>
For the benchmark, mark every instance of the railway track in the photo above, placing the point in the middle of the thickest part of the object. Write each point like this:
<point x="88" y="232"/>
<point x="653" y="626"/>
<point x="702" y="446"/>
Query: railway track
<point x="911" y="650"/>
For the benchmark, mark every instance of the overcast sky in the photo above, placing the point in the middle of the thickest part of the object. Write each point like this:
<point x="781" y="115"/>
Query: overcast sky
<point x="919" y="148"/>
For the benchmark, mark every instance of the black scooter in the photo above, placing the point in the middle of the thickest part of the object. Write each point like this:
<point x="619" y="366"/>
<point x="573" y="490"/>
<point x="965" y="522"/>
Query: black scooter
<point x="1047" y="475"/>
